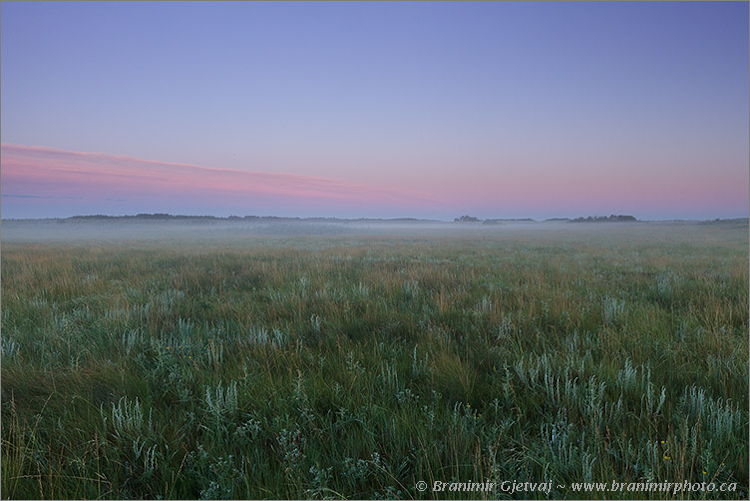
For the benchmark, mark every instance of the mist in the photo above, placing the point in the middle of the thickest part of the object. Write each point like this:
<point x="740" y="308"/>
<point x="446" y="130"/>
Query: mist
<point x="185" y="231"/>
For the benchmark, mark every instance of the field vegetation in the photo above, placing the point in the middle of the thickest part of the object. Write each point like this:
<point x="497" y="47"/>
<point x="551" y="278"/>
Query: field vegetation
<point x="356" y="364"/>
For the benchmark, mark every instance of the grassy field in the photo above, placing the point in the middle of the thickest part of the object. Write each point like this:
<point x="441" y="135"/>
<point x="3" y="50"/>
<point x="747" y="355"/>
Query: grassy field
<point x="357" y="364"/>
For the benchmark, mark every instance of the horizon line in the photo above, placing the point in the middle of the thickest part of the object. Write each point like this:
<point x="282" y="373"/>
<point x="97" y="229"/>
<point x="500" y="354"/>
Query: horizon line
<point x="231" y="217"/>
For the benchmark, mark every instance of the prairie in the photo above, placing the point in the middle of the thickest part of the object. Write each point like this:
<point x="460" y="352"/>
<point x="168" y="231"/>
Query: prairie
<point x="253" y="362"/>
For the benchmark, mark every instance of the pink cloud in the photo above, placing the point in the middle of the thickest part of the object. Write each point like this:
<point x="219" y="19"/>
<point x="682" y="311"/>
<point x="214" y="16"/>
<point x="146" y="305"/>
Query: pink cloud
<point x="50" y="173"/>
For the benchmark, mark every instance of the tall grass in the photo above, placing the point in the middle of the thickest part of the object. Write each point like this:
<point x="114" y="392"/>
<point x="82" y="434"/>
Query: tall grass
<point x="354" y="367"/>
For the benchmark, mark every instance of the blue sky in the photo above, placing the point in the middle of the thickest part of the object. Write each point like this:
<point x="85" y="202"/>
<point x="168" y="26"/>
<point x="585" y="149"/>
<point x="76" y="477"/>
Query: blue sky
<point x="502" y="109"/>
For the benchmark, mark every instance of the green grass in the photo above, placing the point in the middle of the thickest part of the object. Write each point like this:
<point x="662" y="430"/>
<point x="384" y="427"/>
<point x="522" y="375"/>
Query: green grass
<point x="354" y="366"/>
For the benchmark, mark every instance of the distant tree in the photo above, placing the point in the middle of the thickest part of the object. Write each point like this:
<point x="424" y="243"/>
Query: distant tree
<point x="466" y="219"/>
<point x="623" y="218"/>
<point x="605" y="219"/>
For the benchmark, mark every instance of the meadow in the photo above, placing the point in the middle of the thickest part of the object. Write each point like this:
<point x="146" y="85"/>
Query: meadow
<point x="355" y="364"/>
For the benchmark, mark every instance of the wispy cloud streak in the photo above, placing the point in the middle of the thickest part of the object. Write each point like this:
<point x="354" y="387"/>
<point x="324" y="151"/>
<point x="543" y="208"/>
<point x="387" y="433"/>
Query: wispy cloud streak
<point x="44" y="172"/>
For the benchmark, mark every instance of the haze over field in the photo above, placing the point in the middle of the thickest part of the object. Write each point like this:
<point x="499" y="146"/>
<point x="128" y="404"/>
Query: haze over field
<point x="427" y="110"/>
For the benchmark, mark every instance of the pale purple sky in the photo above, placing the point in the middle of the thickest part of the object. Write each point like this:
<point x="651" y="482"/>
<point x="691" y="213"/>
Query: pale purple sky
<point x="496" y="109"/>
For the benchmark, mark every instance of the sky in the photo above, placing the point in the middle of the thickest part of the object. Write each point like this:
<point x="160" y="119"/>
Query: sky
<point x="375" y="109"/>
